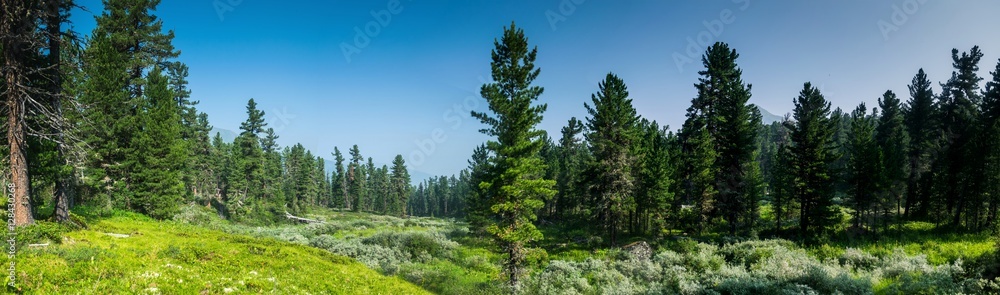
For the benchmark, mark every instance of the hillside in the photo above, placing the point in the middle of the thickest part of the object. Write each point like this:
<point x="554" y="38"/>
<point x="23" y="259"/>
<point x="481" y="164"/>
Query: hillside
<point x="130" y="253"/>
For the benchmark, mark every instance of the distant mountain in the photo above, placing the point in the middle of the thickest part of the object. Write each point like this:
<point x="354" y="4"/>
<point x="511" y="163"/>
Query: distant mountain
<point x="227" y="135"/>
<point x="767" y="117"/>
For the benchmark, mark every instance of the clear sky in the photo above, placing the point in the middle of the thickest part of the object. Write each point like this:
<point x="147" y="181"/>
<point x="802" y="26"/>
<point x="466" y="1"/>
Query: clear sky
<point x="406" y="85"/>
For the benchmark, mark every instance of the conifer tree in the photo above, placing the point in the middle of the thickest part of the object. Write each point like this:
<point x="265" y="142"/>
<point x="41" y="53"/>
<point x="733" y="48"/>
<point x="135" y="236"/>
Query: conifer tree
<point x="893" y="141"/>
<point x="160" y="152"/>
<point x="515" y="185"/>
<point x="340" y="181"/>
<point x="655" y="177"/>
<point x="400" y="185"/>
<point x="735" y="135"/>
<point x="356" y="179"/>
<point x="127" y="42"/>
<point x="697" y="172"/>
<point x="479" y="212"/>
<point x="572" y="159"/>
<point x="864" y="165"/>
<point x="246" y="178"/>
<point x="959" y="100"/>
<point x="811" y="155"/>
<point x="781" y="183"/>
<point x="612" y="126"/>
<point x="920" y="115"/>
<point x="990" y="144"/>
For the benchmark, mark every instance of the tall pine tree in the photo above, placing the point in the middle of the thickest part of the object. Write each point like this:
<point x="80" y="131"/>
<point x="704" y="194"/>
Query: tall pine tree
<point x="811" y="156"/>
<point x="612" y="125"/>
<point x="735" y="136"/>
<point x="893" y="141"/>
<point x="514" y="183"/>
<point x="920" y="115"/>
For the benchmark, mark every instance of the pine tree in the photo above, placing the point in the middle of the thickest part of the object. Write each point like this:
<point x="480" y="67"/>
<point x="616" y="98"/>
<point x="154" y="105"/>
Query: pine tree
<point x="371" y="192"/>
<point x="893" y="141"/>
<point x="864" y="164"/>
<point x="400" y="185"/>
<point x="59" y="75"/>
<point x="697" y="172"/>
<point x="356" y="179"/>
<point x="160" y="152"/>
<point x="515" y="185"/>
<point x="18" y="25"/>
<point x="655" y="177"/>
<point x="811" y="155"/>
<point x="572" y="153"/>
<point x="322" y="189"/>
<point x="273" y="171"/>
<point x="340" y="181"/>
<point x="841" y="139"/>
<point x="920" y="114"/>
<point x="782" y="181"/>
<point x="246" y="177"/>
<point x="222" y="168"/>
<point x="959" y="99"/>
<point x="611" y="126"/>
<point x="735" y="135"/>
<point x="990" y="144"/>
<point x="478" y="200"/>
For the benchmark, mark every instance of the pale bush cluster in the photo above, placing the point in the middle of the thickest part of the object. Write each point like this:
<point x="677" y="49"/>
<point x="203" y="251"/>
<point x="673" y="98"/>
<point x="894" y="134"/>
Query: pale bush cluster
<point x="752" y="267"/>
<point x="388" y="250"/>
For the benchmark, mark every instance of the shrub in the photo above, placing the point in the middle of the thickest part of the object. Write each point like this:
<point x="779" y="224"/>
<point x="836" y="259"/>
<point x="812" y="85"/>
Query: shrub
<point x="196" y="215"/>
<point x="326" y="228"/>
<point x="419" y="246"/>
<point x="362" y="224"/>
<point x="41" y="232"/>
<point x="536" y="257"/>
<point x="559" y="277"/>
<point x="860" y="260"/>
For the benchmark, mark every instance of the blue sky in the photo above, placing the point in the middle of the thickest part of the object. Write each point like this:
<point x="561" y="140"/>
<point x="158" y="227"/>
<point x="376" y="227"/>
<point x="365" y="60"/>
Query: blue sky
<point x="408" y="89"/>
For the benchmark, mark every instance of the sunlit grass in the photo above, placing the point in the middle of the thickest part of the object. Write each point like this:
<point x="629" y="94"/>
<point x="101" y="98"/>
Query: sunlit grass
<point x="173" y="258"/>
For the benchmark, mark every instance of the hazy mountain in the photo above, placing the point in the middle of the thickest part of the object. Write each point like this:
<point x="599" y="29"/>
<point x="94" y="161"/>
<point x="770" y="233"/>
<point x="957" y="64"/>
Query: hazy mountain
<point x="227" y="135"/>
<point x="767" y="117"/>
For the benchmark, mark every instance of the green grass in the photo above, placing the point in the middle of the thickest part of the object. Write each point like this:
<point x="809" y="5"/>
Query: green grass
<point x="173" y="258"/>
<point x="201" y="253"/>
<point x="942" y="246"/>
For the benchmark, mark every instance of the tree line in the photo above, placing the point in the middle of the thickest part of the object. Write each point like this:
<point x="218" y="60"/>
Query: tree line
<point x="108" y="120"/>
<point x="816" y="173"/>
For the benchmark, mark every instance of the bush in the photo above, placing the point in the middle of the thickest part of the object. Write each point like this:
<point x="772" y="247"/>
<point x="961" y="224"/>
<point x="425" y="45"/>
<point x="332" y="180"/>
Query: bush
<point x="753" y="267"/>
<point x="418" y="246"/>
<point x="41" y="232"/>
<point x="535" y="257"/>
<point x="196" y="215"/>
<point x="559" y="277"/>
<point x="859" y="260"/>
<point x="326" y="228"/>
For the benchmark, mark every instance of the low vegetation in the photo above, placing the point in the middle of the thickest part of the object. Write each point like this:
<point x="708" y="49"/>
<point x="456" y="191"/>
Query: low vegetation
<point x="442" y="256"/>
<point x="122" y="252"/>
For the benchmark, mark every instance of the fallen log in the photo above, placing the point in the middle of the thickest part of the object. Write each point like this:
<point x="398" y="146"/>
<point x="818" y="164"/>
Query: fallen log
<point x="300" y="219"/>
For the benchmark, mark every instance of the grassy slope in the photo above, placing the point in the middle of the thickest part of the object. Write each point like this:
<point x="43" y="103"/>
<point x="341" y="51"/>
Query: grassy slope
<point x="173" y="258"/>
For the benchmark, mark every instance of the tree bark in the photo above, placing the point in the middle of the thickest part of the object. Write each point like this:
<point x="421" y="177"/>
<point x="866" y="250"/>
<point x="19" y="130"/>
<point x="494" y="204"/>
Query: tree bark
<point x="15" y="26"/>
<point x="62" y="182"/>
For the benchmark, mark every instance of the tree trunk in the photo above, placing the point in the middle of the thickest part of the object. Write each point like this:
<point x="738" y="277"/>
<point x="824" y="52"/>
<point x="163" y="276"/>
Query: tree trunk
<point x="62" y="182"/>
<point x="15" y="27"/>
